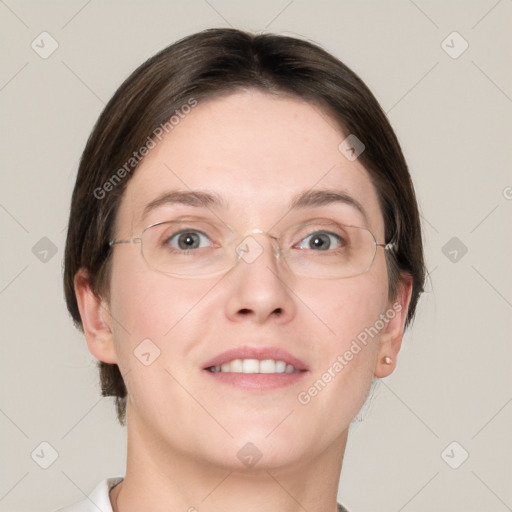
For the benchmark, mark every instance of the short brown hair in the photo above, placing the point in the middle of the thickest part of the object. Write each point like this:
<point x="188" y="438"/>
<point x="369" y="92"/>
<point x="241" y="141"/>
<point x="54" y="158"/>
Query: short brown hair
<point x="211" y="63"/>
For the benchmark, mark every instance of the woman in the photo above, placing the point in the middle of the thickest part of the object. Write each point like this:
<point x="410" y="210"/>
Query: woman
<point x="243" y="255"/>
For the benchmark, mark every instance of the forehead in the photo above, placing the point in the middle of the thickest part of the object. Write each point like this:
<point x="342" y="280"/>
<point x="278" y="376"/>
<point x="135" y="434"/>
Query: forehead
<point x="254" y="150"/>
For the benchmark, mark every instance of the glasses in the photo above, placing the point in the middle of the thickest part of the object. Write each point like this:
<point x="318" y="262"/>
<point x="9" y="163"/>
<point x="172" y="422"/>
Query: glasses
<point x="321" y="249"/>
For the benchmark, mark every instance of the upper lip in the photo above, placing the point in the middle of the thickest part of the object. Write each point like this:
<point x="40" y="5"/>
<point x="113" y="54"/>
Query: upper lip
<point x="259" y="353"/>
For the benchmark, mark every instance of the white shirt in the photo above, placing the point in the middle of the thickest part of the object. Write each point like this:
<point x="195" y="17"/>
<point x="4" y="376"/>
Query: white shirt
<point x="98" y="500"/>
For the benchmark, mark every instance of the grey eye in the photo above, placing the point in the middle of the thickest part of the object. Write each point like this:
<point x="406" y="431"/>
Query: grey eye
<point x="321" y="240"/>
<point x="186" y="240"/>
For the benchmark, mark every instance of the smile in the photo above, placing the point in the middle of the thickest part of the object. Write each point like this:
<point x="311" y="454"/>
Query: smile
<point x="254" y="366"/>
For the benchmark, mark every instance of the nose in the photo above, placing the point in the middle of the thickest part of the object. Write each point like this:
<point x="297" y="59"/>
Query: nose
<point x="261" y="286"/>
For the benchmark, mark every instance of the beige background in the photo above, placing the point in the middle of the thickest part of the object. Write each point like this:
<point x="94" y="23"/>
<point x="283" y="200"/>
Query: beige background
<point x="452" y="116"/>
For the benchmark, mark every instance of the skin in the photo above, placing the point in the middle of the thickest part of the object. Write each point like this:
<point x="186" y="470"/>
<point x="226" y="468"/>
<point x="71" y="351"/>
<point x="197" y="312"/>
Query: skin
<point x="185" y="429"/>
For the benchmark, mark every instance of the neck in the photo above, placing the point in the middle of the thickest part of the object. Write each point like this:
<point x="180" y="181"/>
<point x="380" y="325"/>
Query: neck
<point x="167" y="478"/>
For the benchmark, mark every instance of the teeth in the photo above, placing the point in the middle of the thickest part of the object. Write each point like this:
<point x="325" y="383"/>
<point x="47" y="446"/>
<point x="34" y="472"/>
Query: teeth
<point x="250" y="366"/>
<point x="254" y="366"/>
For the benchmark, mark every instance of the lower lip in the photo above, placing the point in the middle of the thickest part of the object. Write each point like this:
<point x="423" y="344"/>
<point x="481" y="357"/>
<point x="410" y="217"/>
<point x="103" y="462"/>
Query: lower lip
<point x="258" y="381"/>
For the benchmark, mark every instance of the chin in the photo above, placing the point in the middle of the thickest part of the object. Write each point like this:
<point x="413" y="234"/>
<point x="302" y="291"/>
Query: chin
<point x="254" y="457"/>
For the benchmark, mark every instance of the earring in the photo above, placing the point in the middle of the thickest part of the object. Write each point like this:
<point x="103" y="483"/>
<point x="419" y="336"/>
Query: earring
<point x="387" y="360"/>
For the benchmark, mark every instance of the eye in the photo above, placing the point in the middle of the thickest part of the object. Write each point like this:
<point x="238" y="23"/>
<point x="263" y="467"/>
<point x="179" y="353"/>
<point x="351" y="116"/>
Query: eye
<point x="321" y="240"/>
<point x="189" y="239"/>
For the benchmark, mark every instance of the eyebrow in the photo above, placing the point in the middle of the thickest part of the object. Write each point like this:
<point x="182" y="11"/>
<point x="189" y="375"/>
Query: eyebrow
<point x="304" y="200"/>
<point x="194" y="198"/>
<point x="316" y="198"/>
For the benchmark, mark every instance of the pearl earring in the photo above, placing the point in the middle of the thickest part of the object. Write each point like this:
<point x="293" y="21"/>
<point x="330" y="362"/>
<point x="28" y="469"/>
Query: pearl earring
<point x="387" y="360"/>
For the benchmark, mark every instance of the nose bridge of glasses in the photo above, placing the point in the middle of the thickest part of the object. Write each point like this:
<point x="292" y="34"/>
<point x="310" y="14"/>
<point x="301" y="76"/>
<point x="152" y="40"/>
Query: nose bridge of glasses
<point x="251" y="245"/>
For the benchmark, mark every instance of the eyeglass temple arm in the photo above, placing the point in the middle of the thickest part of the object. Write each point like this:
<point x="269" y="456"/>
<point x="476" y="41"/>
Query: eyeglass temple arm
<point x="119" y="242"/>
<point x="390" y="246"/>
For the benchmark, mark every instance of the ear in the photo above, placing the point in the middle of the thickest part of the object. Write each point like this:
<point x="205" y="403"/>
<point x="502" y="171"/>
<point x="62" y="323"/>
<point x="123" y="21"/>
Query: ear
<point x="96" y="319"/>
<point x="392" y="333"/>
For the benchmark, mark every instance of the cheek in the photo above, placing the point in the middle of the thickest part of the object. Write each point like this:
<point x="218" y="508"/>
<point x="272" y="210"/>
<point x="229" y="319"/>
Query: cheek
<point x="145" y="302"/>
<point x="154" y="319"/>
<point x="146" y="305"/>
<point x="346" y="307"/>
<point x="345" y="312"/>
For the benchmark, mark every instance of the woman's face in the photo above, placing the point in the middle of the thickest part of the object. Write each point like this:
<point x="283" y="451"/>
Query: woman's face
<point x="258" y="153"/>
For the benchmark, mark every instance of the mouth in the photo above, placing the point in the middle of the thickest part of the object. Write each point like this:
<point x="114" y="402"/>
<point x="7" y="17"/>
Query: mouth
<point x="247" y="359"/>
<point x="256" y="368"/>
